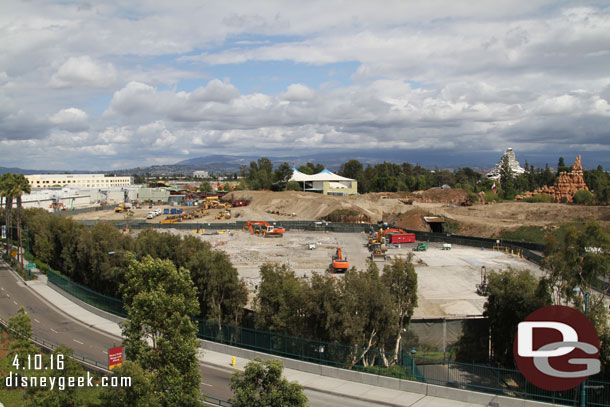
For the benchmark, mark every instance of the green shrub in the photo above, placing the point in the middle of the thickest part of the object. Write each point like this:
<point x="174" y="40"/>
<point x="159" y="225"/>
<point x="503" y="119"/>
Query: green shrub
<point x="491" y="196"/>
<point x="293" y="186"/>
<point x="540" y="198"/>
<point x="533" y="234"/>
<point x="583" y="198"/>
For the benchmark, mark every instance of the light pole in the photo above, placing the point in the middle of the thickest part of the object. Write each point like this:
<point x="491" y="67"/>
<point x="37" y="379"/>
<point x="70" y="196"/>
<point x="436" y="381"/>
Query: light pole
<point x="413" y="352"/>
<point x="583" y="388"/>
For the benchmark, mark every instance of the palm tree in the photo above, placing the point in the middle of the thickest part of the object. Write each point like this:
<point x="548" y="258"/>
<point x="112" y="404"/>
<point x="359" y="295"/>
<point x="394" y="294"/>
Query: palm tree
<point x="6" y="191"/>
<point x="20" y="186"/>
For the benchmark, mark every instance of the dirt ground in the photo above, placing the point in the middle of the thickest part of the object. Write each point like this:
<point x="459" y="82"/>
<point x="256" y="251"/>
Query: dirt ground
<point x="478" y="220"/>
<point x="447" y="279"/>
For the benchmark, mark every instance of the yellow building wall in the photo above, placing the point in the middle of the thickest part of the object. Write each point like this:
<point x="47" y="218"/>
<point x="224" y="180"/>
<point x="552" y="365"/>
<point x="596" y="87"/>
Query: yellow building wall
<point x="353" y="190"/>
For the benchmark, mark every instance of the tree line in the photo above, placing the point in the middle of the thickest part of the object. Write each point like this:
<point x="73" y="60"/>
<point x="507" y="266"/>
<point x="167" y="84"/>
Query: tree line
<point x="97" y="257"/>
<point x="365" y="309"/>
<point x="391" y="177"/>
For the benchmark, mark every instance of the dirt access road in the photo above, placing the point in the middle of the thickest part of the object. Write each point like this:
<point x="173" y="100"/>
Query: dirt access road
<point x="478" y="220"/>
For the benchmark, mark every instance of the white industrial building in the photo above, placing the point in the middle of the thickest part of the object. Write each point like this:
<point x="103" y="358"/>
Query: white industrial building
<point x="77" y="180"/>
<point x="325" y="182"/>
<point x="201" y="174"/>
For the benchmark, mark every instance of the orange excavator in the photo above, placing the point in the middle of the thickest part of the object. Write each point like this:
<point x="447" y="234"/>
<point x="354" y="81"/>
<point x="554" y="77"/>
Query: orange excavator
<point x="339" y="264"/>
<point x="262" y="228"/>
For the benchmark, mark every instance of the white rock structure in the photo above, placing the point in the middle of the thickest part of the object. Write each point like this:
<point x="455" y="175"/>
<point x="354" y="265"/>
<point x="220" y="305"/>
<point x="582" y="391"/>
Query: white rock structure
<point x="512" y="161"/>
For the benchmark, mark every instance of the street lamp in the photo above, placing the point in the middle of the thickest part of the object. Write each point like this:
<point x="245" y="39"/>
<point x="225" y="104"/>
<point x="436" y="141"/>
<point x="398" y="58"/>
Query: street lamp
<point x="583" y="390"/>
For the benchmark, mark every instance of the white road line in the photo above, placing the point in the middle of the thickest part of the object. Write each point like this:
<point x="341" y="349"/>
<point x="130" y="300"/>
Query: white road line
<point x="78" y="341"/>
<point x="36" y="320"/>
<point x="15" y="302"/>
<point x="8" y="295"/>
<point x="54" y="330"/>
<point x="205" y="384"/>
<point x="105" y="352"/>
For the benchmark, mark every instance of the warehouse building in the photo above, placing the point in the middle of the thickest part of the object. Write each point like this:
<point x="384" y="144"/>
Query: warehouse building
<point x="325" y="182"/>
<point x="77" y="180"/>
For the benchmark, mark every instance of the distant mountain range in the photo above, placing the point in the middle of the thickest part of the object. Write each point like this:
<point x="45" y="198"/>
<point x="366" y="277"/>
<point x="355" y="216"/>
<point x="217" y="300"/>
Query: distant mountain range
<point x="444" y="159"/>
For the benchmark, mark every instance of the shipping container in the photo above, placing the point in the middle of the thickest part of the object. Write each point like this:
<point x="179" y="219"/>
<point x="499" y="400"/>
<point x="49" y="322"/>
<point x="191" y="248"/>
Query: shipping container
<point x="394" y="238"/>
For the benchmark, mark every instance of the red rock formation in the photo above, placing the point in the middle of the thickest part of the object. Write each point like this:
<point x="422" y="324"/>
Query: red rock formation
<point x="566" y="185"/>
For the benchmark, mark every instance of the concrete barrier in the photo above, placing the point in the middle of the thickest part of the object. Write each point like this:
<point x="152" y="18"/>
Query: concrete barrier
<point x="465" y="396"/>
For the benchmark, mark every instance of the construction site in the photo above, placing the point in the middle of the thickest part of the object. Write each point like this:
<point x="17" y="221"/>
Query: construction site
<point x="451" y="278"/>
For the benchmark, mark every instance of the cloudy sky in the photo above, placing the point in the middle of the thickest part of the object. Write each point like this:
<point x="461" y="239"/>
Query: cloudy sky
<point x="105" y="85"/>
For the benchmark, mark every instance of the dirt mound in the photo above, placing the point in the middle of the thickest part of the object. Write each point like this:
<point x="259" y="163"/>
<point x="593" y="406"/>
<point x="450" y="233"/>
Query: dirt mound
<point x="412" y="220"/>
<point x="311" y="206"/>
<point x="437" y="195"/>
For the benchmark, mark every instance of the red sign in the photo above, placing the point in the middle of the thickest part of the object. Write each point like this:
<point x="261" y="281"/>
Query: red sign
<point x="115" y="357"/>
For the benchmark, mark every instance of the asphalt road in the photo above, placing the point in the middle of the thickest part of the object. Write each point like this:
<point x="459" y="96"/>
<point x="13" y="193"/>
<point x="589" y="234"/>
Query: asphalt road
<point x="58" y="328"/>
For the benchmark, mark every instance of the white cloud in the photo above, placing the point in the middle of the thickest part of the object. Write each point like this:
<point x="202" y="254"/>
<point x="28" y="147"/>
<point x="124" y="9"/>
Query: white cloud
<point x="70" y="115"/>
<point x="298" y="93"/>
<point x="84" y="71"/>
<point x="215" y="91"/>
<point x="71" y="119"/>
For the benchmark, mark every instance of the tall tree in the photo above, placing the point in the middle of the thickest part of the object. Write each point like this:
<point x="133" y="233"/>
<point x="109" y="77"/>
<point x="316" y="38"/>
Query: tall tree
<point x="222" y="295"/>
<point x="506" y="175"/>
<point x="261" y="385"/>
<point x="139" y="394"/>
<point x="281" y="175"/>
<point x="353" y="169"/>
<point x="401" y="280"/>
<point x="513" y="295"/>
<point x="20" y="186"/>
<point x="161" y="301"/>
<point x="8" y="193"/>
<point x="280" y="300"/>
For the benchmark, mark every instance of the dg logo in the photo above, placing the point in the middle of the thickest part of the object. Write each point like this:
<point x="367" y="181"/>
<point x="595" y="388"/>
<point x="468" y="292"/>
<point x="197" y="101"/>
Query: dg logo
<point x="556" y="348"/>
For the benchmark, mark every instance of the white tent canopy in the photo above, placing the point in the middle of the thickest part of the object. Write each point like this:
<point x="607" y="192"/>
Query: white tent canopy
<point x="324" y="175"/>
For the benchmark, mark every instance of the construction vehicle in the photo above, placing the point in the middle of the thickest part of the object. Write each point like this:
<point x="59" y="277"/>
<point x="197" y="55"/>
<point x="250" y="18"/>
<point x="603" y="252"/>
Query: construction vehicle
<point x="226" y="214"/>
<point x="378" y="252"/>
<point x="483" y="288"/>
<point x="421" y="247"/>
<point x="339" y="264"/>
<point x="407" y="201"/>
<point x="123" y="207"/>
<point x="262" y="228"/>
<point x="241" y="202"/>
<point x="168" y="221"/>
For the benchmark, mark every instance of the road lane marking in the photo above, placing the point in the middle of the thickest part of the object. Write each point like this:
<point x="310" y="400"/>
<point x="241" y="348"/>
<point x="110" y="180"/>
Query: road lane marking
<point x="36" y="320"/>
<point x="8" y="295"/>
<point x="105" y="352"/>
<point x="205" y="384"/>
<point x="15" y="302"/>
<point x="78" y="341"/>
<point x="54" y="330"/>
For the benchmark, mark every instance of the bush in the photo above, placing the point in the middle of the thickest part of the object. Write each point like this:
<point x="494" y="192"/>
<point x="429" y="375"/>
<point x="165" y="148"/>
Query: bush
<point x="583" y="198"/>
<point x="540" y="198"/>
<point x="293" y="186"/>
<point x="533" y="234"/>
<point x="491" y="196"/>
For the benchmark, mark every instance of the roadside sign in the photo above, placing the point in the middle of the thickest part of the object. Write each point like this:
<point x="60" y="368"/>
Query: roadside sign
<point x="14" y="253"/>
<point x="115" y="357"/>
<point x="30" y="266"/>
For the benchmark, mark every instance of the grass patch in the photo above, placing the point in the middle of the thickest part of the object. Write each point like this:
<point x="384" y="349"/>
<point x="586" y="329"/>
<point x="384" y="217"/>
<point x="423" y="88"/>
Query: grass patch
<point x="540" y="198"/>
<point x="534" y="234"/>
